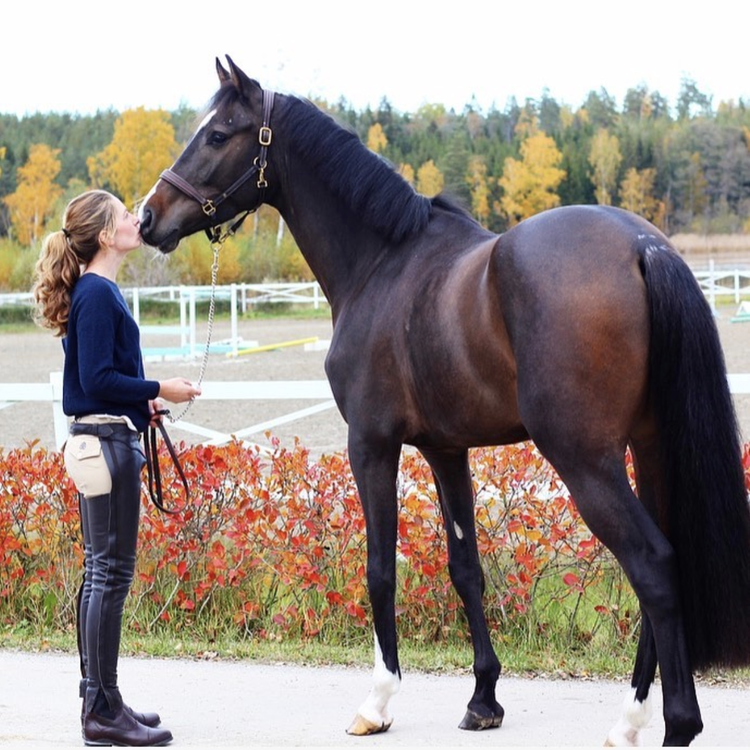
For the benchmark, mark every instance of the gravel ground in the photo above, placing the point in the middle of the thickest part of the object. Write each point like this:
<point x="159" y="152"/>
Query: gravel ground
<point x="228" y="703"/>
<point x="30" y="357"/>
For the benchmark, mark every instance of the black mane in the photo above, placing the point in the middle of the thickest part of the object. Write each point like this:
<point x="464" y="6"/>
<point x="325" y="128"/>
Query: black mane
<point x="365" y="181"/>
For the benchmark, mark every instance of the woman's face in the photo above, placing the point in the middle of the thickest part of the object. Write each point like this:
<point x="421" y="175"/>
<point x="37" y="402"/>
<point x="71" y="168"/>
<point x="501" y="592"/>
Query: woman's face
<point x="127" y="229"/>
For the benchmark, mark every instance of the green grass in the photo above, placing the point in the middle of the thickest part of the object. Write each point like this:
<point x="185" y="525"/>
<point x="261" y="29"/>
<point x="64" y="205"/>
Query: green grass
<point x="591" y="663"/>
<point x="442" y="658"/>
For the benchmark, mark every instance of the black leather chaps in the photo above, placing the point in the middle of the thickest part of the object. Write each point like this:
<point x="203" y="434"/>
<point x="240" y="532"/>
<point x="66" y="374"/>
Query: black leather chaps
<point x="110" y="533"/>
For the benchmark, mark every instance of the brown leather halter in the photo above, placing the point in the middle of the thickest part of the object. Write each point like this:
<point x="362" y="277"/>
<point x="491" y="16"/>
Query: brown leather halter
<point x="209" y="205"/>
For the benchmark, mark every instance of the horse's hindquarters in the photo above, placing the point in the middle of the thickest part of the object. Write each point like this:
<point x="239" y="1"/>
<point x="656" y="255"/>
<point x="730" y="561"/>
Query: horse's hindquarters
<point x="575" y="305"/>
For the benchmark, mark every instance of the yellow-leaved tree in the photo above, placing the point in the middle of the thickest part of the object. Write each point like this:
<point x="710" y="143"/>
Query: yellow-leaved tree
<point x="604" y="158"/>
<point x="376" y="138"/>
<point x="430" y="180"/>
<point x="637" y="193"/>
<point x="407" y="172"/>
<point x="529" y="185"/>
<point x="142" y="147"/>
<point x="33" y="202"/>
<point x="480" y="189"/>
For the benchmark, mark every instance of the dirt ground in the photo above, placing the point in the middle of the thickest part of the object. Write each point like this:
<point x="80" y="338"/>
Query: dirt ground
<point x="30" y="357"/>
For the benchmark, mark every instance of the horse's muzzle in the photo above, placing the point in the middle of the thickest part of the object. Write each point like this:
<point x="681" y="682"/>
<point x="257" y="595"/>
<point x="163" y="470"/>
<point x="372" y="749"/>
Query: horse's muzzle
<point x="150" y="236"/>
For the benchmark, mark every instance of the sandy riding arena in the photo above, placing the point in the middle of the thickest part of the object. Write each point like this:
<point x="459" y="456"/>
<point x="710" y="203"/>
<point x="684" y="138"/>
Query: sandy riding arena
<point x="31" y="357"/>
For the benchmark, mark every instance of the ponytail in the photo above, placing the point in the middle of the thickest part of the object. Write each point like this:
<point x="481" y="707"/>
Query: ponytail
<point x="57" y="271"/>
<point x="65" y="253"/>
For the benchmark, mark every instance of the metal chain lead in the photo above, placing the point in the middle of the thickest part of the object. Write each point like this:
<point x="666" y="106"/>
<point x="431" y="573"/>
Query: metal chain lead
<point x="215" y="246"/>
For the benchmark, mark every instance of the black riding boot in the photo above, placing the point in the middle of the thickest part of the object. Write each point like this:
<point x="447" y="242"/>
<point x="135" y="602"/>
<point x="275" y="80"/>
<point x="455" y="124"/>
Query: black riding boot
<point x="110" y="525"/>
<point x="147" y="718"/>
<point x="106" y="721"/>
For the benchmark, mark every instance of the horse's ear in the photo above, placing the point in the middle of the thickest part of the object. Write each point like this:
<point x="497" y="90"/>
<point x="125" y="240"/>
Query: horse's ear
<point x="245" y="85"/>
<point x="221" y="71"/>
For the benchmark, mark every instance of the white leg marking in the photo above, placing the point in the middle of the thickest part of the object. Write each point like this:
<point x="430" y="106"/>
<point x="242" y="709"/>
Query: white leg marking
<point x="635" y="717"/>
<point x="458" y="530"/>
<point x="385" y="685"/>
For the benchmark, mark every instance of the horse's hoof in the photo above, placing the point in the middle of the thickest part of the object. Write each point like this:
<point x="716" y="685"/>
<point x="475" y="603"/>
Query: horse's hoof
<point x="361" y="727"/>
<point x="625" y="739"/>
<point x="475" y="722"/>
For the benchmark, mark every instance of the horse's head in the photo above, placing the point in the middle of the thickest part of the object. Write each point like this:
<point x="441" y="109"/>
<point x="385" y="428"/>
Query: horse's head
<point x="221" y="172"/>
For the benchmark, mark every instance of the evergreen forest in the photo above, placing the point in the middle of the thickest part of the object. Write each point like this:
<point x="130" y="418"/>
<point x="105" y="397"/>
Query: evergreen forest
<point x="684" y="165"/>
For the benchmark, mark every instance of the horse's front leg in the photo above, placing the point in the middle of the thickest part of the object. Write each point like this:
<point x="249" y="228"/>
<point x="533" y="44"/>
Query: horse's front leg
<point x="375" y="468"/>
<point x="453" y="481"/>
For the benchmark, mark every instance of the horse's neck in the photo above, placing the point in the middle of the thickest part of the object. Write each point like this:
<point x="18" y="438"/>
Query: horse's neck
<point x="337" y="249"/>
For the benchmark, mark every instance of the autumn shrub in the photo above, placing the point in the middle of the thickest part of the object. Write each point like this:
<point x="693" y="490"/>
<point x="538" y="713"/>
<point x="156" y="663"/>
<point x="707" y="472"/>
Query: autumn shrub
<point x="271" y="545"/>
<point x="16" y="265"/>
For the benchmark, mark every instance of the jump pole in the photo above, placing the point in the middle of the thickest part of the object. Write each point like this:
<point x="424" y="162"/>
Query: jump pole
<point x="272" y="347"/>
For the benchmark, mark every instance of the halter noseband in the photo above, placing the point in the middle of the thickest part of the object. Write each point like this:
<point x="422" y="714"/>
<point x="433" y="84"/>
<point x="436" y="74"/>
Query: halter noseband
<point x="209" y="205"/>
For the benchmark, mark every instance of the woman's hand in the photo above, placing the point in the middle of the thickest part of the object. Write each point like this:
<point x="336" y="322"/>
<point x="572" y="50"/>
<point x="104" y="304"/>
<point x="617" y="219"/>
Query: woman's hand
<point x="156" y="408"/>
<point x="177" y="390"/>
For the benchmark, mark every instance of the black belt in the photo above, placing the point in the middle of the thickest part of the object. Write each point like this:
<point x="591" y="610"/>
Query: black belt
<point x="104" y="430"/>
<point x="152" y="463"/>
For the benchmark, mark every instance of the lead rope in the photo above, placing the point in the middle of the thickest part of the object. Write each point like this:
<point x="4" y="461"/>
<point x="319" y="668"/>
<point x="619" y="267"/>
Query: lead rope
<point x="150" y="436"/>
<point x="215" y="246"/>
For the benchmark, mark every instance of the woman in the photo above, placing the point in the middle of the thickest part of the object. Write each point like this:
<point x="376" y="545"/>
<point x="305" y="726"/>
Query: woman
<point x="105" y="391"/>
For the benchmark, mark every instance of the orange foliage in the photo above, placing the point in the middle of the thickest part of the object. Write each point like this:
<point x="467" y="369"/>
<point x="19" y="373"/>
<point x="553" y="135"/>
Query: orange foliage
<point x="273" y="545"/>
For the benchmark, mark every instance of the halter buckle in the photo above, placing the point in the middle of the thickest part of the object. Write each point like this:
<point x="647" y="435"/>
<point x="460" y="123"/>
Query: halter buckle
<point x="208" y="207"/>
<point x="265" y="135"/>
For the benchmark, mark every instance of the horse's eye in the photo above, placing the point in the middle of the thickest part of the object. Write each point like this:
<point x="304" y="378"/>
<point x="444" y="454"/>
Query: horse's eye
<point x="216" y="138"/>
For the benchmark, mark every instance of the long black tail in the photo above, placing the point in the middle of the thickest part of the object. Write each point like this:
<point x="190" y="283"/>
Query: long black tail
<point x="709" y="515"/>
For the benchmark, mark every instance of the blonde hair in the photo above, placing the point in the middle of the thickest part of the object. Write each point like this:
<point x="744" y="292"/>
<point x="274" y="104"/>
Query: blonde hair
<point x="67" y="252"/>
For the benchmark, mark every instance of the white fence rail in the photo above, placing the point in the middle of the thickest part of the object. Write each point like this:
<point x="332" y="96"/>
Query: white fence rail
<point x="260" y="390"/>
<point x="241" y="297"/>
<point x="717" y="283"/>
<point x="246" y="295"/>
<point x="257" y="390"/>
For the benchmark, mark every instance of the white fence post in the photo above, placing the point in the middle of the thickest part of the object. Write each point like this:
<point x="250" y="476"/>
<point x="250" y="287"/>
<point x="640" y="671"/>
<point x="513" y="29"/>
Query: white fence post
<point x="136" y="306"/>
<point x="191" y="305"/>
<point x="234" y="333"/>
<point x="61" y="421"/>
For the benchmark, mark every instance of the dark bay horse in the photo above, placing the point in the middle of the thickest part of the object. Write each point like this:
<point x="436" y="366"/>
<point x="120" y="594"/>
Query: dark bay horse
<point x="580" y="329"/>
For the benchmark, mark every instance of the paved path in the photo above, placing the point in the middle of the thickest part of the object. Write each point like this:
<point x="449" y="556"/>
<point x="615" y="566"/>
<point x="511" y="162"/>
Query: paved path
<point x="221" y="704"/>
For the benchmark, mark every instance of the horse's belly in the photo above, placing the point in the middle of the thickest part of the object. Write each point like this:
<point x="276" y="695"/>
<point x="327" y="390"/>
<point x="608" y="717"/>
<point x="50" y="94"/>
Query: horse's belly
<point x="460" y="406"/>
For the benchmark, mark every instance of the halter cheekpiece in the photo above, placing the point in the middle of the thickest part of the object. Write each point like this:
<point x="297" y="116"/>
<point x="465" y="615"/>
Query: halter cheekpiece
<point x="209" y="205"/>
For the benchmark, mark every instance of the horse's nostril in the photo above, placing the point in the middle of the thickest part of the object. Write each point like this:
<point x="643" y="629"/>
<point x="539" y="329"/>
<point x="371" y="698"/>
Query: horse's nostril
<point x="146" y="219"/>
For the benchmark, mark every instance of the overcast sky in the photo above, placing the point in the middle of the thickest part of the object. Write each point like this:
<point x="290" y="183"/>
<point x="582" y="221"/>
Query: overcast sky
<point x="83" y="55"/>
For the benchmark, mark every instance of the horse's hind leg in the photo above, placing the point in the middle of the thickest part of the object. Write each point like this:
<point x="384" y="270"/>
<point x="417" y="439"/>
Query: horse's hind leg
<point x="453" y="480"/>
<point x="637" y="708"/>
<point x="598" y="482"/>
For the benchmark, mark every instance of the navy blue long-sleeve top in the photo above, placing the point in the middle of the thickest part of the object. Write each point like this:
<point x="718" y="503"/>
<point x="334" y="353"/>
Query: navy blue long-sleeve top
<point x="103" y="371"/>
